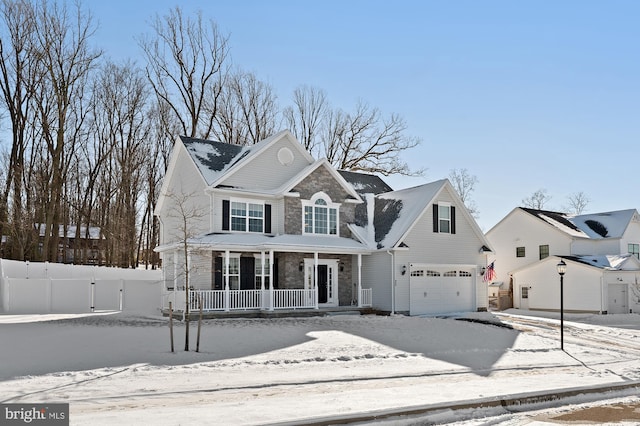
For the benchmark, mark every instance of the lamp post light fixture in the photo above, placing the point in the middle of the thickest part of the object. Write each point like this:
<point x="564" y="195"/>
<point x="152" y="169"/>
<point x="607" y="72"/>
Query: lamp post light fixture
<point x="562" y="268"/>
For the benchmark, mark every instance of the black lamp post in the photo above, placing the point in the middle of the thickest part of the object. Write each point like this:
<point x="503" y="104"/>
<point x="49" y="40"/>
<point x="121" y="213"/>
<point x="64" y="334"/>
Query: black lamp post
<point x="562" y="268"/>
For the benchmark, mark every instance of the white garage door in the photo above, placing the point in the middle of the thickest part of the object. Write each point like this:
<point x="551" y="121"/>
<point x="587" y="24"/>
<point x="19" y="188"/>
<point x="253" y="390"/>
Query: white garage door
<point x="440" y="290"/>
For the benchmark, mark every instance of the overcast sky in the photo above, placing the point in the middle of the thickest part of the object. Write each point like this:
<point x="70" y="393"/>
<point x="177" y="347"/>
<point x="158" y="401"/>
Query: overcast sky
<point x="523" y="94"/>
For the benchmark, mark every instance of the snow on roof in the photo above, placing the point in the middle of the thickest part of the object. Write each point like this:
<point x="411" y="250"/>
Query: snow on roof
<point x="397" y="211"/>
<point x="592" y="226"/>
<point x="213" y="158"/>
<point x="608" y="262"/>
<point x="604" y="225"/>
<point x="94" y="231"/>
<point x="558" y="220"/>
<point x="365" y="183"/>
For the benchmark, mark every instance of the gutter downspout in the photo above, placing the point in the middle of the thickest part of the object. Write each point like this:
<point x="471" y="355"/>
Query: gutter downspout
<point x="393" y="281"/>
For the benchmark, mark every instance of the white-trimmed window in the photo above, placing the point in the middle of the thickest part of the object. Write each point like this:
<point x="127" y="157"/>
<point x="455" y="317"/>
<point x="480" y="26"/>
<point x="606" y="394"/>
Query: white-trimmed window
<point x="634" y="249"/>
<point x="234" y="271"/>
<point x="444" y="218"/>
<point x="259" y="267"/>
<point x="247" y="216"/>
<point x="320" y="215"/>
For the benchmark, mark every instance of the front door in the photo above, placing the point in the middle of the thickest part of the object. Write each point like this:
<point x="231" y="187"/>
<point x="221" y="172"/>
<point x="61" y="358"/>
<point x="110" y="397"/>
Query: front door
<point x="524" y="297"/>
<point x="327" y="280"/>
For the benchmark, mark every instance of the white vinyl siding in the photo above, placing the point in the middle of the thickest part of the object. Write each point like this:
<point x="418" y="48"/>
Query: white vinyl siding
<point x="265" y="172"/>
<point x="188" y="187"/>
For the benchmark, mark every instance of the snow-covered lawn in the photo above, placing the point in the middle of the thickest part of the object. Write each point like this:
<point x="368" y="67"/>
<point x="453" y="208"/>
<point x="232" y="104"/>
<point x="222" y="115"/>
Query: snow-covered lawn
<point x="116" y="369"/>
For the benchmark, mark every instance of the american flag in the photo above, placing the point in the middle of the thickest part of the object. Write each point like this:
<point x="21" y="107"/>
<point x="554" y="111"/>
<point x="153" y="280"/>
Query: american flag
<point x="490" y="273"/>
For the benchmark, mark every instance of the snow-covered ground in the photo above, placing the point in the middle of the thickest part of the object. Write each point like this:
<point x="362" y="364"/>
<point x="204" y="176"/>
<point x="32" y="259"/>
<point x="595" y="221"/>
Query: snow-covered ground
<point x="117" y="369"/>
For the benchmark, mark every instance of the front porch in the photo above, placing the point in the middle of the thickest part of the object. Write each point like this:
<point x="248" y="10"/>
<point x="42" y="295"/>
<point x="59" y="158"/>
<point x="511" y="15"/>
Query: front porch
<point x="253" y="300"/>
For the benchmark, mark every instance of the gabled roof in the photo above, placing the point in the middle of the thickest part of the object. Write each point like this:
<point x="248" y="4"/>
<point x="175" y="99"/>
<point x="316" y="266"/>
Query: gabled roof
<point x="213" y="158"/>
<point x="323" y="162"/>
<point x="607" y="262"/>
<point x="397" y="212"/>
<point x="592" y="226"/>
<point x="365" y="183"/>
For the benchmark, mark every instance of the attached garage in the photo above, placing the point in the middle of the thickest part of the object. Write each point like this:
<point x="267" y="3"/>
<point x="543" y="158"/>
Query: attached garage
<point x="441" y="289"/>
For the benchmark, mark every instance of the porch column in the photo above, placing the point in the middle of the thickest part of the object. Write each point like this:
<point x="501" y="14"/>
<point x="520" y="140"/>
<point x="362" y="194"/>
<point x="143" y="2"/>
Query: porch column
<point x="315" y="277"/>
<point x="272" y="280"/>
<point x="359" y="280"/>
<point x="226" y="280"/>
<point x="262" y="279"/>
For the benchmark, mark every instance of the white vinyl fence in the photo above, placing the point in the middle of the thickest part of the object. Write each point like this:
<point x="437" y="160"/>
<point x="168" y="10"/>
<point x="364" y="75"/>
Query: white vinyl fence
<point x="41" y="288"/>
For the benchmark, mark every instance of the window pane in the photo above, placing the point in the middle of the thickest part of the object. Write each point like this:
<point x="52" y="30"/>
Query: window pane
<point x="320" y="220"/>
<point x="238" y="224"/>
<point x="443" y="212"/>
<point x="255" y="225"/>
<point x="238" y="209"/>
<point x="519" y="251"/>
<point x="544" y="251"/>
<point x="321" y="202"/>
<point x="444" y="226"/>
<point x="333" y="222"/>
<point x="308" y="220"/>
<point x="255" y="210"/>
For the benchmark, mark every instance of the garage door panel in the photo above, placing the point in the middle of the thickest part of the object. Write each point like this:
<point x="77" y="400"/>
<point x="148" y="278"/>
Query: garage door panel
<point x="438" y="294"/>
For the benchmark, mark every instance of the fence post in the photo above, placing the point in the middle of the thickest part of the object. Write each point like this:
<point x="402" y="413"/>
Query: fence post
<point x="93" y="295"/>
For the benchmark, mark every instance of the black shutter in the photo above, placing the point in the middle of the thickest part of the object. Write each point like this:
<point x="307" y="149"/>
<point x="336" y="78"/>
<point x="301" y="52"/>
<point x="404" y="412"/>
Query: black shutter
<point x="453" y="220"/>
<point x="435" y="218"/>
<point x="267" y="218"/>
<point x="225" y="215"/>
<point x="274" y="279"/>
<point x="247" y="273"/>
<point x="218" y="282"/>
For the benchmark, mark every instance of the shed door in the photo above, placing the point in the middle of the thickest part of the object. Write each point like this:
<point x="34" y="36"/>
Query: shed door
<point x="618" y="298"/>
<point x="440" y="290"/>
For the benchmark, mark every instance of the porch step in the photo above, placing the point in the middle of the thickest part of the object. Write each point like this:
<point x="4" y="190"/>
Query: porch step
<point x="349" y="312"/>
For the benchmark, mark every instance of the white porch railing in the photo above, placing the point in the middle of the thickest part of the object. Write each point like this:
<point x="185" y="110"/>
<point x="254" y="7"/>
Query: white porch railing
<point x="217" y="300"/>
<point x="366" y="298"/>
<point x="294" y="299"/>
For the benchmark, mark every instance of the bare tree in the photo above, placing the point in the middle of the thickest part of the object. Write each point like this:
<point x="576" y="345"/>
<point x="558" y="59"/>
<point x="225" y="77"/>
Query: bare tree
<point x="577" y="203"/>
<point x="17" y="80"/>
<point x="247" y="112"/>
<point x="184" y="214"/>
<point x="464" y="184"/>
<point x="187" y="67"/>
<point x="66" y="58"/>
<point x="537" y="200"/>
<point x="305" y="118"/>
<point x="366" y="141"/>
<point x="121" y="101"/>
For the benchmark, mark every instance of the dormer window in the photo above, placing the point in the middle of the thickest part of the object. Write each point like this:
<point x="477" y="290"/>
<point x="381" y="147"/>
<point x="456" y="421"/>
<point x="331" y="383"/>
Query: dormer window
<point x="320" y="215"/>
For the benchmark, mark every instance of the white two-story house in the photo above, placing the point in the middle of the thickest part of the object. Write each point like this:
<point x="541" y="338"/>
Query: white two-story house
<point x="601" y="250"/>
<point x="267" y="227"/>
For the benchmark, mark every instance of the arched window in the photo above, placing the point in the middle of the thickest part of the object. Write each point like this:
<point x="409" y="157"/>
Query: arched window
<point x="320" y="215"/>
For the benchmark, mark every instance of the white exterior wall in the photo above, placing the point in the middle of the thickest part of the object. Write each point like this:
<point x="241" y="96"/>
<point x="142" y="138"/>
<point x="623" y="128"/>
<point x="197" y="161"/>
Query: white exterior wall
<point x="425" y="246"/>
<point x="265" y="171"/>
<point x="597" y="247"/>
<point x="186" y="183"/>
<point x="520" y="229"/>
<point x="631" y="236"/>
<point x="376" y="274"/>
<point x="277" y="210"/>
<point x="582" y="287"/>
